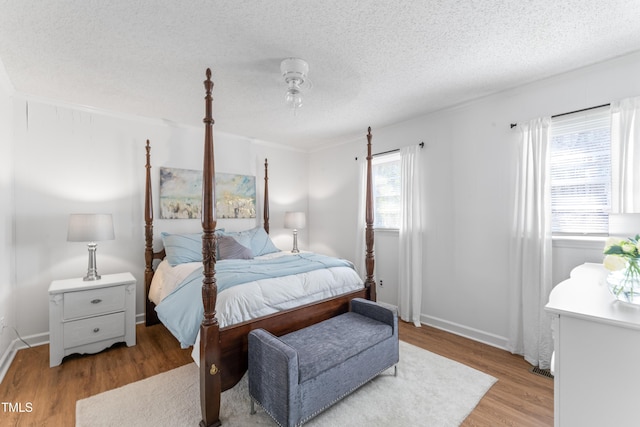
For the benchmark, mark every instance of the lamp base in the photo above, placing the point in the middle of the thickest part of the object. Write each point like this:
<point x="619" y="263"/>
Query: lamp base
<point x="295" y="242"/>
<point x="92" y="271"/>
<point x="91" y="276"/>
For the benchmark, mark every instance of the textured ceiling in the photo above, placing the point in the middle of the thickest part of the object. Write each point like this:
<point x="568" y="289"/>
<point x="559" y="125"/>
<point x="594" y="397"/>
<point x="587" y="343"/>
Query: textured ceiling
<point x="371" y="62"/>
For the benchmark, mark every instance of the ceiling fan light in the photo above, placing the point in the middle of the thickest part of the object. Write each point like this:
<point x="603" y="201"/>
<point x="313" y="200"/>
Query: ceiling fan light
<point x="294" y="71"/>
<point x="293" y="98"/>
<point x="294" y="68"/>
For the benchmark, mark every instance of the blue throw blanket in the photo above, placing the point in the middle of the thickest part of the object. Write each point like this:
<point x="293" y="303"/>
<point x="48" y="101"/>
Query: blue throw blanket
<point x="182" y="311"/>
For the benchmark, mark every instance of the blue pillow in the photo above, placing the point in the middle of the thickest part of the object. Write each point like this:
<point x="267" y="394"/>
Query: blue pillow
<point x="261" y="244"/>
<point x="181" y="248"/>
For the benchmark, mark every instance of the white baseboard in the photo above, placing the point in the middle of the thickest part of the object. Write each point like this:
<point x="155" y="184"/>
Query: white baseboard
<point x="465" y="331"/>
<point x="457" y="329"/>
<point x="18" y="344"/>
<point x="6" y="359"/>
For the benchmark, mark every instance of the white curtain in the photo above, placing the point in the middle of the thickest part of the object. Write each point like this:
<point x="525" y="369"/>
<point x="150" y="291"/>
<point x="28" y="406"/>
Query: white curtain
<point x="530" y="264"/>
<point x="625" y="153"/>
<point x="361" y="222"/>
<point x="410" y="253"/>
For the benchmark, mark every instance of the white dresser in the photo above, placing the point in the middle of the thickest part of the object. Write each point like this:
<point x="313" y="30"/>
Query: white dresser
<point x="597" y="353"/>
<point x="89" y="316"/>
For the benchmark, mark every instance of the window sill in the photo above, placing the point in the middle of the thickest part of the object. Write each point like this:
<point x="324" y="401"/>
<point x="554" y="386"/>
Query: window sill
<point x="386" y="230"/>
<point x="579" y="242"/>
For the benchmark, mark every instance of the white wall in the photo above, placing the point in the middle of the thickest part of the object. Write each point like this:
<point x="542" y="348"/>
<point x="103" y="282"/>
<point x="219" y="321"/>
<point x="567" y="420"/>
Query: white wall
<point x="469" y="160"/>
<point x="73" y="160"/>
<point x="6" y="213"/>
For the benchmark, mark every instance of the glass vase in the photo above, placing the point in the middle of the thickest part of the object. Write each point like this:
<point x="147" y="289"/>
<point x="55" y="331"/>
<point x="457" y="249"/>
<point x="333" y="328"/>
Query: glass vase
<point x="625" y="284"/>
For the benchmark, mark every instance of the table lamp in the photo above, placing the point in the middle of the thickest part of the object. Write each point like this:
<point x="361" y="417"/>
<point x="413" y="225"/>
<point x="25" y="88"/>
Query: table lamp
<point x="90" y="228"/>
<point x="295" y="220"/>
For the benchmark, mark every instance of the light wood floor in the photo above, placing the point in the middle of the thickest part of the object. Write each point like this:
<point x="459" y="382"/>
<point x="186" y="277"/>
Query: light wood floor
<point x="519" y="398"/>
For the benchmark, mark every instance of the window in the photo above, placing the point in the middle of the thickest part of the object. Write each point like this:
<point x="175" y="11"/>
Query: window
<point x="385" y="175"/>
<point x="580" y="165"/>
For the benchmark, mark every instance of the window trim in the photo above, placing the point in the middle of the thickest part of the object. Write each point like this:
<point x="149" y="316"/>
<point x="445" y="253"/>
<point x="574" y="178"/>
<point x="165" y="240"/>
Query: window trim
<point x="600" y="111"/>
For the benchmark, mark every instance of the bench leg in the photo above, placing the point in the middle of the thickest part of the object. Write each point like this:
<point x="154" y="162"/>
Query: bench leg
<point x="386" y="372"/>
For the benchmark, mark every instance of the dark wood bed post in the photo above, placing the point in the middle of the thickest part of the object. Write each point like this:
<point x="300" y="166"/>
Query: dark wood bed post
<point x="151" y="316"/>
<point x="369" y="282"/>
<point x="210" y="380"/>
<point x="265" y="214"/>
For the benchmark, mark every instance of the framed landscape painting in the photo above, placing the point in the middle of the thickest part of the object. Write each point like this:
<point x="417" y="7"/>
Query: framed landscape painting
<point x="181" y="194"/>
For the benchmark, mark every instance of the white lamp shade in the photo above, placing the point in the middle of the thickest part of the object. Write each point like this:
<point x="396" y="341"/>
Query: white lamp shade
<point x="295" y="220"/>
<point x="90" y="228"/>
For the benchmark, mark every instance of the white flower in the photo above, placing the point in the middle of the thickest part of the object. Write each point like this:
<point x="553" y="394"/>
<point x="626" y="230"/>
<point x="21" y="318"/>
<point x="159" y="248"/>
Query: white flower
<point x="614" y="262"/>
<point x="612" y="241"/>
<point x="628" y="247"/>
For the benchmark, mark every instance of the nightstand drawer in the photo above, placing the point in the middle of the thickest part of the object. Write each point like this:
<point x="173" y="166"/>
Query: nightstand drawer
<point x="93" y="329"/>
<point x="93" y="302"/>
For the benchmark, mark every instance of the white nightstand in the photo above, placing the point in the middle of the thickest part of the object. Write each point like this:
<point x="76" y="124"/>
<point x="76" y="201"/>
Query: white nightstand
<point x="87" y="317"/>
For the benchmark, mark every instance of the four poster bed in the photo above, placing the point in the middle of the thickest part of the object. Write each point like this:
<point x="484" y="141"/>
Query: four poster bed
<point x="222" y="339"/>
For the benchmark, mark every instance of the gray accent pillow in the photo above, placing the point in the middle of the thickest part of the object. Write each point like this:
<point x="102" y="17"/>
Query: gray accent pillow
<point x="229" y="248"/>
<point x="255" y="239"/>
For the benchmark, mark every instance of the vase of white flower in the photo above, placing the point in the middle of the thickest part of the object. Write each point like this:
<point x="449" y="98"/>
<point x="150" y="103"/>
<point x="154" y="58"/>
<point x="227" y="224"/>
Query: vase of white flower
<point x="623" y="260"/>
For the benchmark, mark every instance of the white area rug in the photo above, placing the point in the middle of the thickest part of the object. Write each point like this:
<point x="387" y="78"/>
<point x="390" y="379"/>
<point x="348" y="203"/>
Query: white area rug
<point x="429" y="390"/>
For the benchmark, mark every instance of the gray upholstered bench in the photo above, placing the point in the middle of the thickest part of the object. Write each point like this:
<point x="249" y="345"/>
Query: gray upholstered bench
<point x="296" y="376"/>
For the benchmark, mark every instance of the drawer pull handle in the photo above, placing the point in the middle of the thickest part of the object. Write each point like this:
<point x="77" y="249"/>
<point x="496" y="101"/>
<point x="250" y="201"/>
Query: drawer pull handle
<point x="96" y="330"/>
<point x="96" y="301"/>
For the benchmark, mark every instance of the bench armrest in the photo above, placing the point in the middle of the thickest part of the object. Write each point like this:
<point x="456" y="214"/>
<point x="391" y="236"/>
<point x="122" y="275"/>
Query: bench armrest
<point x="273" y="367"/>
<point x="375" y="311"/>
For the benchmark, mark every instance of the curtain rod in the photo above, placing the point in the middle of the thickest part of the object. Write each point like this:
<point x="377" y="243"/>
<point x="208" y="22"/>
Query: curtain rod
<point x="392" y="151"/>
<point x="570" y="112"/>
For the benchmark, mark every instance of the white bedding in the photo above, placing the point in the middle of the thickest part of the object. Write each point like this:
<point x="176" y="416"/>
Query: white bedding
<point x="261" y="297"/>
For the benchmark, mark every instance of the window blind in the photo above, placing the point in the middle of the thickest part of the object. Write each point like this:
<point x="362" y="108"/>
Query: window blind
<point x="580" y="168"/>
<point x="385" y="171"/>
